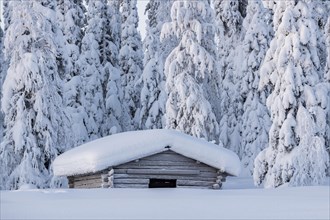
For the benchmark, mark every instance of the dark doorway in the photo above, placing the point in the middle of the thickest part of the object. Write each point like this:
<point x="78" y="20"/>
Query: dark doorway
<point x="162" y="183"/>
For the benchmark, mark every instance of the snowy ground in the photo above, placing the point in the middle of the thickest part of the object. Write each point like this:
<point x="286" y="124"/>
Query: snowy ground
<point x="238" y="200"/>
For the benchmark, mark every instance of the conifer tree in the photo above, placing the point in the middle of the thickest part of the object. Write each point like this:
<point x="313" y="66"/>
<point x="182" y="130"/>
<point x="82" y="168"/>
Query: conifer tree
<point x="6" y="15"/>
<point x="164" y="16"/>
<point x="2" y="74"/>
<point x="131" y="63"/>
<point x="71" y="19"/>
<point x="320" y="15"/>
<point x="327" y="37"/>
<point x="255" y="121"/>
<point x="113" y="113"/>
<point x="326" y="86"/>
<point x="31" y="101"/>
<point x="92" y="71"/>
<point x="296" y="154"/>
<point x="188" y="68"/>
<point x="153" y="96"/>
<point x="7" y="12"/>
<point x="229" y="20"/>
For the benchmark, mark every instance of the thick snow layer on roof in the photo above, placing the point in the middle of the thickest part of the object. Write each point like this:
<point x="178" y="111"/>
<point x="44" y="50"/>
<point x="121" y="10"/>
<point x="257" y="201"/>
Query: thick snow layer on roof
<point x="125" y="147"/>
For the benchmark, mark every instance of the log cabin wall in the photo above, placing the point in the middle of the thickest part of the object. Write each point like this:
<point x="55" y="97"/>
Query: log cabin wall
<point x="167" y="165"/>
<point x="180" y="170"/>
<point x="87" y="181"/>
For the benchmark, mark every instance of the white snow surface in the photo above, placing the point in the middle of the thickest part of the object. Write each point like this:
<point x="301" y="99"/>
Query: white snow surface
<point x="125" y="147"/>
<point x="238" y="200"/>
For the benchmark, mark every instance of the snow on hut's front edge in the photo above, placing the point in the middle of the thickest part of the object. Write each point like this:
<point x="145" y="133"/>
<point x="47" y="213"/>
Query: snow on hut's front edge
<point x="124" y="147"/>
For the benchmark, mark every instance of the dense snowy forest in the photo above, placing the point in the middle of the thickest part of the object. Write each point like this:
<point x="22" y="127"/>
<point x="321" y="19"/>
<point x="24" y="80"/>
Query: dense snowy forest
<point x="252" y="76"/>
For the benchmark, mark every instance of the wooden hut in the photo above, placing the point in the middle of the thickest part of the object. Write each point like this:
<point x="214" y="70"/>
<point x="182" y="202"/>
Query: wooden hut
<point x="147" y="159"/>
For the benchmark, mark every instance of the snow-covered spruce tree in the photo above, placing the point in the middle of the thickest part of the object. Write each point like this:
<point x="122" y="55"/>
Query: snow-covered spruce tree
<point x="327" y="37"/>
<point x="229" y="21"/>
<point x="255" y="121"/>
<point x="71" y="20"/>
<point x="113" y="114"/>
<point x="326" y="86"/>
<point x="188" y="67"/>
<point x="2" y="60"/>
<point x="131" y="63"/>
<point x="320" y="15"/>
<point x="7" y="7"/>
<point x="296" y="154"/>
<point x="92" y="71"/>
<point x="32" y="104"/>
<point x="153" y="96"/>
<point x="164" y="16"/>
<point x="6" y="18"/>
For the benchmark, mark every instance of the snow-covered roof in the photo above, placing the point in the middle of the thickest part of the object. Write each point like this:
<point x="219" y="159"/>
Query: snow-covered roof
<point x="125" y="147"/>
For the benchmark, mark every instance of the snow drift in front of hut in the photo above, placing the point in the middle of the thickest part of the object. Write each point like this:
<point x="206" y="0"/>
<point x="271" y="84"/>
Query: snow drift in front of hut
<point x="239" y="199"/>
<point x="124" y="147"/>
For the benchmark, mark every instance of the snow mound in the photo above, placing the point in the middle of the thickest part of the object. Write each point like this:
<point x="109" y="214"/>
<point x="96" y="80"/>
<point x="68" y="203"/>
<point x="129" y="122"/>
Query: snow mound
<point x="125" y="147"/>
<point x="27" y="187"/>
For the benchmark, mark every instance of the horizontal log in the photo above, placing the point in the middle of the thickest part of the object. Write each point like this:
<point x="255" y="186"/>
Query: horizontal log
<point x="92" y="185"/>
<point x="194" y="183"/>
<point x="98" y="181"/>
<point x="88" y="186"/>
<point x="179" y="182"/>
<point x="201" y="174"/>
<point x="183" y="177"/>
<point x="131" y="181"/>
<point x="99" y="173"/>
<point x="146" y="163"/>
<point x="194" y="187"/>
<point x="131" y="186"/>
<point x="162" y="171"/>
<point x="168" y="157"/>
<point x="193" y="168"/>
<point x="88" y="177"/>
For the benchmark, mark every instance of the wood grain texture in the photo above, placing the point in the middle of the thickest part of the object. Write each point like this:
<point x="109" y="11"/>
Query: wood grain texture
<point x="189" y="173"/>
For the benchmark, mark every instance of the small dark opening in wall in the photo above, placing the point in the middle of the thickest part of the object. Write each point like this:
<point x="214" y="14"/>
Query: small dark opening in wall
<point x="162" y="183"/>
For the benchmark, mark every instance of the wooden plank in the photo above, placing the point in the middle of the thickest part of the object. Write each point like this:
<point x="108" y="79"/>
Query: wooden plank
<point x="167" y="157"/>
<point x="89" y="176"/>
<point x="98" y="181"/>
<point x="206" y="169"/>
<point x="145" y="163"/>
<point x="131" y="181"/>
<point x="168" y="152"/>
<point x="194" y="183"/>
<point x="179" y="182"/>
<point x="131" y="186"/>
<point x="184" y="177"/>
<point x="202" y="173"/>
<point x="166" y="160"/>
<point x="195" y="187"/>
<point x="92" y="174"/>
<point x="163" y="171"/>
<point x="89" y="185"/>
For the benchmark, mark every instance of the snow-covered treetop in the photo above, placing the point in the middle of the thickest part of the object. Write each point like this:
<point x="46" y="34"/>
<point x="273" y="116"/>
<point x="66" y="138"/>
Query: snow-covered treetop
<point x="189" y="18"/>
<point x="125" y="147"/>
